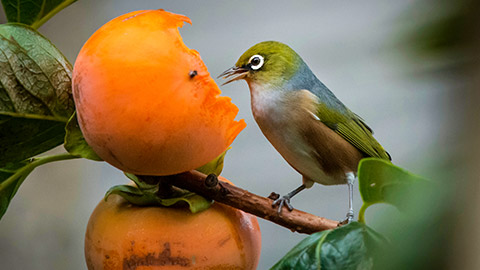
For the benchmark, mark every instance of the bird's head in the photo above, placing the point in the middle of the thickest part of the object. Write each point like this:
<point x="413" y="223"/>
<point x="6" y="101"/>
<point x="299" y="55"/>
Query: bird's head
<point x="268" y="62"/>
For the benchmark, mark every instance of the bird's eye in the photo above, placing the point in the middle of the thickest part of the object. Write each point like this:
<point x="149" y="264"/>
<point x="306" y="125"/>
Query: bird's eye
<point x="256" y="62"/>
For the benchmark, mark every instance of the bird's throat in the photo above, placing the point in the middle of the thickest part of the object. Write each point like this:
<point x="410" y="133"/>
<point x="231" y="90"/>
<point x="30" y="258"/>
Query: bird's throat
<point x="266" y="102"/>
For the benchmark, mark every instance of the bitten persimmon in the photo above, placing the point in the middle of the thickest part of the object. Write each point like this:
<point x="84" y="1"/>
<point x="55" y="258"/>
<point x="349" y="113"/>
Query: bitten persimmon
<point x="123" y="236"/>
<point x="145" y="102"/>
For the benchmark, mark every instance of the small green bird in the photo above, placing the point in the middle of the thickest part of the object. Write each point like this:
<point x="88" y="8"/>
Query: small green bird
<point x="314" y="132"/>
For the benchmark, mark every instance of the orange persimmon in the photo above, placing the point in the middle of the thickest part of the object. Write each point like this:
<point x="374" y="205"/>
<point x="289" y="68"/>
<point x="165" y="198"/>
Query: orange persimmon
<point x="146" y="103"/>
<point x="123" y="236"/>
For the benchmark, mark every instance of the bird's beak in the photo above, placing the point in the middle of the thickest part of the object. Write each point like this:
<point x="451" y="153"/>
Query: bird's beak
<point x="234" y="73"/>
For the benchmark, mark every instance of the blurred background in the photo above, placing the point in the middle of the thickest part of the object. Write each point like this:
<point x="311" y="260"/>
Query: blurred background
<point x="406" y="67"/>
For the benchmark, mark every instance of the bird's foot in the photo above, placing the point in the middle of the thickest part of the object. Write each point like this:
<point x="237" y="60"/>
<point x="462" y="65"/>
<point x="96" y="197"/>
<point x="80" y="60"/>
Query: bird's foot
<point x="349" y="218"/>
<point x="285" y="200"/>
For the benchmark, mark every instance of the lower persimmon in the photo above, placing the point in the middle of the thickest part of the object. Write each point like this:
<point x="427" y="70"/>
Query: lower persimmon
<point x="124" y="236"/>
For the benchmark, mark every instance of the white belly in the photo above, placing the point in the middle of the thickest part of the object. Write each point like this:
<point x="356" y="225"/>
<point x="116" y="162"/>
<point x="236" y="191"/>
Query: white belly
<point x="281" y="130"/>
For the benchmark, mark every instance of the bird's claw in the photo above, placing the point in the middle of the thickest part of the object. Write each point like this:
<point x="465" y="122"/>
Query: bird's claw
<point x="348" y="219"/>
<point x="350" y="216"/>
<point x="285" y="200"/>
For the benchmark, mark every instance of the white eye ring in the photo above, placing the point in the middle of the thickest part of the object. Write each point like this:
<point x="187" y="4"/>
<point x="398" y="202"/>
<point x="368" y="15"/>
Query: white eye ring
<point x="256" y="65"/>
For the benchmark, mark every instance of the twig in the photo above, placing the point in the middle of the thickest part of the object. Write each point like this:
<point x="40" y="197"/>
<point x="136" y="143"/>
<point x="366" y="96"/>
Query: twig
<point x="222" y="192"/>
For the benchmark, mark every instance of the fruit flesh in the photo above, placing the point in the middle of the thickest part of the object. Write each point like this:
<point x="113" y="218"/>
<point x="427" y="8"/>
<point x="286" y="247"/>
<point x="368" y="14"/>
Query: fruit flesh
<point x="138" y="105"/>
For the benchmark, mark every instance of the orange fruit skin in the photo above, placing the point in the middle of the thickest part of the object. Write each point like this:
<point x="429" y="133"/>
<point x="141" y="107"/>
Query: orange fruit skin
<point x="122" y="236"/>
<point x="138" y="106"/>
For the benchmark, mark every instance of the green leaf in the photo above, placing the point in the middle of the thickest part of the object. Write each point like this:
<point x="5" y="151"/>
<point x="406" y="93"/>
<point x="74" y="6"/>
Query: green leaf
<point x="75" y="143"/>
<point x="135" y="179"/>
<point x="304" y="255"/>
<point x="21" y="138"/>
<point x="33" y="12"/>
<point x="133" y="195"/>
<point x="215" y="166"/>
<point x="196" y="203"/>
<point x="35" y="94"/>
<point x="382" y="182"/>
<point x="352" y="246"/>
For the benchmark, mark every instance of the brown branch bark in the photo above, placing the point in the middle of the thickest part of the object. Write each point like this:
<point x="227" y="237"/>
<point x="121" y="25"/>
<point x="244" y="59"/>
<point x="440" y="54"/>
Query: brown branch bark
<point x="222" y="192"/>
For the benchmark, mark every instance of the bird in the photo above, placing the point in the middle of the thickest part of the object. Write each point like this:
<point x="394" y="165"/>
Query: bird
<point x="305" y="122"/>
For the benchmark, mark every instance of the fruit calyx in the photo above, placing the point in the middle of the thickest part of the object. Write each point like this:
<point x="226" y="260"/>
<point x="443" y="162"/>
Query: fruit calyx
<point x="149" y="191"/>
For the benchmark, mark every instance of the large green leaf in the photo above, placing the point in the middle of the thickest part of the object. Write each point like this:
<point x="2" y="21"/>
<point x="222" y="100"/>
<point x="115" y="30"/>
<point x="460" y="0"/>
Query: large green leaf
<point x="33" y="12"/>
<point x="382" y="182"/>
<point x="35" y="94"/>
<point x="352" y="246"/>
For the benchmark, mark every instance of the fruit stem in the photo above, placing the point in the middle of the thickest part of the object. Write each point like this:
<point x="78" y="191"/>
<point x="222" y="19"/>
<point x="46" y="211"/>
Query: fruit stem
<point x="165" y="188"/>
<point x="52" y="12"/>
<point x="21" y="174"/>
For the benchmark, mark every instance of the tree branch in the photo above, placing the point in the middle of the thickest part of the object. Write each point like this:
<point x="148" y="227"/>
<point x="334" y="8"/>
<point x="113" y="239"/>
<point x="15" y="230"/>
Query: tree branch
<point x="222" y="192"/>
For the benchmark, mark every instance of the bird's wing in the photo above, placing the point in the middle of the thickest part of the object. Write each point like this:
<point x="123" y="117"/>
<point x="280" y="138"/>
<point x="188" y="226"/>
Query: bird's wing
<point x="352" y="128"/>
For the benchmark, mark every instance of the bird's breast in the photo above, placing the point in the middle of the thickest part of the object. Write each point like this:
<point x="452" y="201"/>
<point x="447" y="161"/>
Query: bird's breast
<point x="265" y="106"/>
<point x="279" y="115"/>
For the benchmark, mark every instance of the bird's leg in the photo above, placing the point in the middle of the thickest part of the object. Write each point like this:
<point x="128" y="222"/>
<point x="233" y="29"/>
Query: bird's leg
<point x="350" y="182"/>
<point x="285" y="200"/>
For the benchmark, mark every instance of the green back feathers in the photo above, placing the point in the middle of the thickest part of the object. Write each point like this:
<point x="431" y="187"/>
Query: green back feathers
<point x="281" y="62"/>
<point x="356" y="133"/>
<point x="354" y="130"/>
